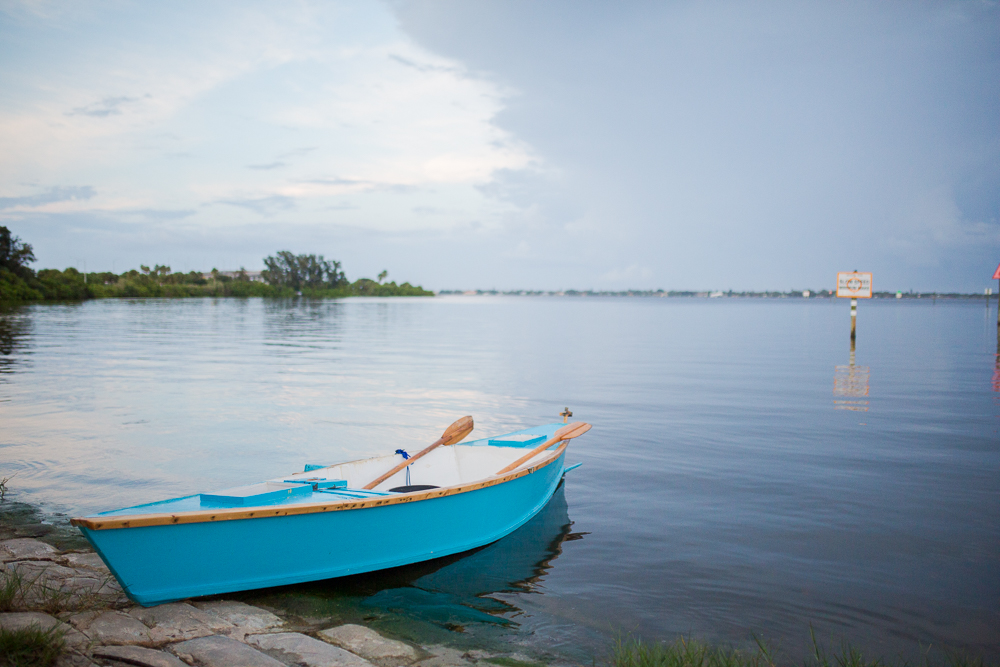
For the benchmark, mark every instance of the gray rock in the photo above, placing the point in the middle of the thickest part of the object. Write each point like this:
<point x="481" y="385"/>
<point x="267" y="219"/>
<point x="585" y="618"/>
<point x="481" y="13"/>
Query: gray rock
<point x="26" y="619"/>
<point x="80" y="619"/>
<point x="41" y="570"/>
<point x="244" y="618"/>
<point x="442" y="656"/>
<point x="179" y="621"/>
<point x="46" y="583"/>
<point x="216" y="651"/>
<point x="113" y="627"/>
<point x="89" y="560"/>
<point x="33" y="530"/>
<point x="89" y="583"/>
<point x="24" y="548"/>
<point x="297" y="649"/>
<point x="477" y="654"/>
<point x="102" y="587"/>
<point x="370" y="645"/>
<point x="74" y="659"/>
<point x="133" y="655"/>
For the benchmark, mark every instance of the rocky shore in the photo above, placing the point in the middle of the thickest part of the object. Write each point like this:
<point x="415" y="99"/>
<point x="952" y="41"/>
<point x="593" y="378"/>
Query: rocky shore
<point x="73" y="594"/>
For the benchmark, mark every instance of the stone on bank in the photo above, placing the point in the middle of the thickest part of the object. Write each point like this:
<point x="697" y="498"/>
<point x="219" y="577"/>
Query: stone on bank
<point x="101" y="627"/>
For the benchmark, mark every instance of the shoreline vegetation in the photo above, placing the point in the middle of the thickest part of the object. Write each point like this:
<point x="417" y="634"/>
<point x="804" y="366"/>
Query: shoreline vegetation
<point x="287" y="275"/>
<point x="688" y="652"/>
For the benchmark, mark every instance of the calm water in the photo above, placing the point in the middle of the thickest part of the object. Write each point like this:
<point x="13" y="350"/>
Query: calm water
<point x="741" y="477"/>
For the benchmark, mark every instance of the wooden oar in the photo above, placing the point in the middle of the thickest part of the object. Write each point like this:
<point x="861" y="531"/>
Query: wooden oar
<point x="451" y="435"/>
<point x="565" y="433"/>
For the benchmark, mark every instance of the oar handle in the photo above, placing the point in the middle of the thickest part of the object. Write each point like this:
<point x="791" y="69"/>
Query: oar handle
<point x="565" y="433"/>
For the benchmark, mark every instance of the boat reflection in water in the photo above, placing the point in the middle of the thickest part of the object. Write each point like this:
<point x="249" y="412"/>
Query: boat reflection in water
<point x="445" y="594"/>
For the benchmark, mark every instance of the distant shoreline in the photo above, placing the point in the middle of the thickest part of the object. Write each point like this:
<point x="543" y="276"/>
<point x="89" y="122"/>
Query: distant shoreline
<point x="794" y="294"/>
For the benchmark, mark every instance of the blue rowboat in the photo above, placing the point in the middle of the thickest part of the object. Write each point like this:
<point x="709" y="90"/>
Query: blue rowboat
<point x="320" y="523"/>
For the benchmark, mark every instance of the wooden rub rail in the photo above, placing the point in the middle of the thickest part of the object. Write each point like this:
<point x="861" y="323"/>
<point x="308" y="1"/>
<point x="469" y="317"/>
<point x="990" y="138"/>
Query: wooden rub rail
<point x="144" y="520"/>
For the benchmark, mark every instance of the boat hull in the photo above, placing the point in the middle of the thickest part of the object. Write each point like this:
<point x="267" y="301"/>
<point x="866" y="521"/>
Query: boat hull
<point x="164" y="563"/>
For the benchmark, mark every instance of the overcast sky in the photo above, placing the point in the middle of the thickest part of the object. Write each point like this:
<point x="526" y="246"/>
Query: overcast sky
<point x="510" y="144"/>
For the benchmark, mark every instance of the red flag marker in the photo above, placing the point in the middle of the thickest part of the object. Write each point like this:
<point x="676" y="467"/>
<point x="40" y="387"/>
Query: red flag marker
<point x="996" y="274"/>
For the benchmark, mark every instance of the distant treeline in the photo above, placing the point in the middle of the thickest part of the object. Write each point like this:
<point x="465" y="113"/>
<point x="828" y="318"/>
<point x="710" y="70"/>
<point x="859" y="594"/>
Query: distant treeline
<point x="287" y="275"/>
<point x="793" y="294"/>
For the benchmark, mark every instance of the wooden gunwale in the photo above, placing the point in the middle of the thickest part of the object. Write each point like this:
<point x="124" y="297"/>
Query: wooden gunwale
<point x="205" y="516"/>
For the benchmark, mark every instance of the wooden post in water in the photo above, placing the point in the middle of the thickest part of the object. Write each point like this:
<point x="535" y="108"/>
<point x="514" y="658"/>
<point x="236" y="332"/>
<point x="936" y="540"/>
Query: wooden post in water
<point x="854" y="285"/>
<point x="854" y="321"/>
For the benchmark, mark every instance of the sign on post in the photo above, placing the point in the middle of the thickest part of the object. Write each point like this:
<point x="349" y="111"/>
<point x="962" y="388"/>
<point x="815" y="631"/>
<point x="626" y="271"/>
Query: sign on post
<point x="854" y="285"/>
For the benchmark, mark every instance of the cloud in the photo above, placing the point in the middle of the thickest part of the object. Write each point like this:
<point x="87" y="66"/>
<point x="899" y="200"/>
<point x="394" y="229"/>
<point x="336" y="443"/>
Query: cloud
<point x="159" y="214"/>
<point x="422" y="67"/>
<point x="356" y="185"/>
<point x="50" y="196"/>
<point x="632" y="272"/>
<point x="266" y="206"/>
<point x="683" y="144"/>
<point x="298" y="108"/>
<point x="109" y="106"/>
<point x="297" y="152"/>
<point x="740" y="144"/>
<point x="336" y="181"/>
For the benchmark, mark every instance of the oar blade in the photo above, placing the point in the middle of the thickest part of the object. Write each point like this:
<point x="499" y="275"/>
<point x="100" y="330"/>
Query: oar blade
<point x="451" y="435"/>
<point x="571" y="431"/>
<point x="457" y="431"/>
<point x="567" y="432"/>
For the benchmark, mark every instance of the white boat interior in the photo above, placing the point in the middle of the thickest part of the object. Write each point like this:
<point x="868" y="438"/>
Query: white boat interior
<point x="449" y="465"/>
<point x="445" y="466"/>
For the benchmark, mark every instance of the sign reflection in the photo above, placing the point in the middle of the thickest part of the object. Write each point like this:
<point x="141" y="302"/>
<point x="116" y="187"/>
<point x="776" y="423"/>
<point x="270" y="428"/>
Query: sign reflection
<point x="996" y="363"/>
<point x="850" y="383"/>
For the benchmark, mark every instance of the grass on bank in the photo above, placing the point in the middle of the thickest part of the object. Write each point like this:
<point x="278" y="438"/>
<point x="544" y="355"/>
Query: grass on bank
<point x="685" y="652"/>
<point x="19" y="593"/>
<point x="11" y="585"/>
<point x="31" y="647"/>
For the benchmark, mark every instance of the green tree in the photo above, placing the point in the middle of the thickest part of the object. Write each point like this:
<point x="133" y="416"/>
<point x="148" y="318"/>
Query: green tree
<point x="15" y="255"/>
<point x="302" y="271"/>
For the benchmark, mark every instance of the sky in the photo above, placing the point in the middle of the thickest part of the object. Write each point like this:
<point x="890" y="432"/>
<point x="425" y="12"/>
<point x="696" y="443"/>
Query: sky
<point x="510" y="144"/>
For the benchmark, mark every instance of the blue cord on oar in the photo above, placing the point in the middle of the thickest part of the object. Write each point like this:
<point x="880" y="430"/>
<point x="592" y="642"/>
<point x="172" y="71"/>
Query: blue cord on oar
<point x="405" y="456"/>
